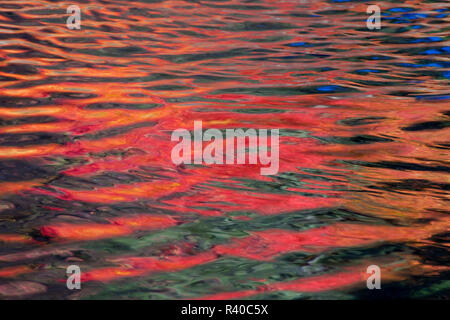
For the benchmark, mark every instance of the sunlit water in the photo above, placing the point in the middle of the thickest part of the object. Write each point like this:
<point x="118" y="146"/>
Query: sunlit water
<point x="87" y="178"/>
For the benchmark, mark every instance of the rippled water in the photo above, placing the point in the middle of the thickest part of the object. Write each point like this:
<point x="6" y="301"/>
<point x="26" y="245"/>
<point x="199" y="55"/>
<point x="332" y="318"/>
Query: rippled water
<point x="87" y="179"/>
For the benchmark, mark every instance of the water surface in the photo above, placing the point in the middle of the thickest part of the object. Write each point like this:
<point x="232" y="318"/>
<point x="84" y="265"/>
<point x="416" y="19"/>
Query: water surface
<point x="86" y="176"/>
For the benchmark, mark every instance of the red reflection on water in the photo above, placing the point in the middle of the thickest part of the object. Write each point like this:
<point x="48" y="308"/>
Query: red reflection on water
<point x="175" y="77"/>
<point x="120" y="226"/>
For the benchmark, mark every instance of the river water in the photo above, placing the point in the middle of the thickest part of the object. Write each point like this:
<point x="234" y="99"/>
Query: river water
<point x="86" y="176"/>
